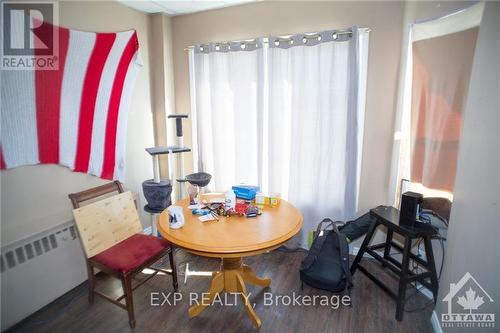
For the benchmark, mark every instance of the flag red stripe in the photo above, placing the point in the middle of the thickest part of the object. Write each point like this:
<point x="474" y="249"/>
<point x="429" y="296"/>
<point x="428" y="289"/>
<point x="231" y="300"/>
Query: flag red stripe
<point x="102" y="46"/>
<point x="48" y="95"/>
<point x="2" y="161"/>
<point x="108" y="166"/>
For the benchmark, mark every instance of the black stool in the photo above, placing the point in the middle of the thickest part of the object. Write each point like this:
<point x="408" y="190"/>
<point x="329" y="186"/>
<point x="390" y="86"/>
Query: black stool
<point x="389" y="217"/>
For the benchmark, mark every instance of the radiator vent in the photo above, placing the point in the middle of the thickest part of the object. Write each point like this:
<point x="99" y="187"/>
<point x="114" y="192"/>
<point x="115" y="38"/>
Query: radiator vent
<point x="39" y="268"/>
<point x="29" y="248"/>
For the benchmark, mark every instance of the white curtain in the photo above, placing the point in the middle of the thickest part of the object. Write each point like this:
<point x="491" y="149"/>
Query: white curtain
<point x="314" y="122"/>
<point x="225" y="93"/>
<point x="297" y="123"/>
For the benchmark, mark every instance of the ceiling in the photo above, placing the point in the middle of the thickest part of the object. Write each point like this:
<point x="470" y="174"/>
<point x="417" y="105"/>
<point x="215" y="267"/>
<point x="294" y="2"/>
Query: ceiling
<point x="180" y="7"/>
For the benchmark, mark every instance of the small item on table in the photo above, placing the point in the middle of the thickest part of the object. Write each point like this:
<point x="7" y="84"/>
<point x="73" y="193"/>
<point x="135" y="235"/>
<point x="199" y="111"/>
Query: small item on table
<point x="217" y="208"/>
<point x="213" y="212"/>
<point x="216" y="200"/>
<point x="230" y="198"/>
<point x="261" y="200"/>
<point x="252" y="211"/>
<point x="274" y="199"/>
<point x="246" y="192"/>
<point x="176" y="219"/>
<point x="221" y="211"/>
<point x="241" y="208"/>
<point x="212" y="200"/>
<point x="193" y="192"/>
<point x="207" y="217"/>
<point x="230" y="212"/>
<point x="201" y="211"/>
<point x="246" y="209"/>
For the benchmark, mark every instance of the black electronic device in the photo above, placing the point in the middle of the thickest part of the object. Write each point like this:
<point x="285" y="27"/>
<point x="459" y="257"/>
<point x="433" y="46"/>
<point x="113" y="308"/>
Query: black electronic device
<point x="411" y="205"/>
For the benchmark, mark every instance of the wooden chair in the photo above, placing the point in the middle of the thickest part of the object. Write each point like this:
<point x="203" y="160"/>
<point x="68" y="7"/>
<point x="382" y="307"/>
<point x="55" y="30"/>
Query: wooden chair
<point x="111" y="236"/>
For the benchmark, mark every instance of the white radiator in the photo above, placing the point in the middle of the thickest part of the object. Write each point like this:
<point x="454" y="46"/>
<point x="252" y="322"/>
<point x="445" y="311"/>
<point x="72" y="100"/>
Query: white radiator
<point x="37" y="270"/>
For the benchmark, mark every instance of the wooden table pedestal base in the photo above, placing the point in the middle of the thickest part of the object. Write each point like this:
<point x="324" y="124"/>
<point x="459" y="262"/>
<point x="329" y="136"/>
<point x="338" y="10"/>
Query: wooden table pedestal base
<point x="232" y="279"/>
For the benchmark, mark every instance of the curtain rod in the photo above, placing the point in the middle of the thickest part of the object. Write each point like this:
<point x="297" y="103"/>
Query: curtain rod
<point x="284" y="37"/>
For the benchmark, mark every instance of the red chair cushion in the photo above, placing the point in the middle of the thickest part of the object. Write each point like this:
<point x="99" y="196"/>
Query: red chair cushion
<point x="131" y="252"/>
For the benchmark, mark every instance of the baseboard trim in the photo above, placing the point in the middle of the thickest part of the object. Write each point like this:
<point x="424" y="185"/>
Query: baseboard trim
<point x="436" y="324"/>
<point x="425" y="291"/>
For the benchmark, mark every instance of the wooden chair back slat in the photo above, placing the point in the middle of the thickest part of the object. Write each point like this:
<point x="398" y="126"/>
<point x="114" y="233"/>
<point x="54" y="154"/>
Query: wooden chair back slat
<point x="78" y="198"/>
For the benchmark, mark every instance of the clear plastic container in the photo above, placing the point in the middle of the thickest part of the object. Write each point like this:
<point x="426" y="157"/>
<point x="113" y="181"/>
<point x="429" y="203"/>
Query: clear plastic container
<point x="230" y="198"/>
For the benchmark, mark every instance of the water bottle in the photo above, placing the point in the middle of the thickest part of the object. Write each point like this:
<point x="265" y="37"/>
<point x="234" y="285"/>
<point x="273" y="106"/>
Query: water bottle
<point x="230" y="199"/>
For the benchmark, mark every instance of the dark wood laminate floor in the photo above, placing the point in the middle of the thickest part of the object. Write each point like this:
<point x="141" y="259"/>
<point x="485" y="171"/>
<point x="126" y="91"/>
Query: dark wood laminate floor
<point x="372" y="310"/>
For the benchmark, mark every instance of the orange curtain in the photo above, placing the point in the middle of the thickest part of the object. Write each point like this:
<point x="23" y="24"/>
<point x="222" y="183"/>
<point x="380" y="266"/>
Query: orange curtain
<point x="441" y="72"/>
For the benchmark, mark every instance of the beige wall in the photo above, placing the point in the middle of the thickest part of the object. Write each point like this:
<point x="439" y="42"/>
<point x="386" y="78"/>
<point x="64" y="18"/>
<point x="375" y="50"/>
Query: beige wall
<point x="34" y="198"/>
<point x="266" y="18"/>
<point x="474" y="233"/>
<point x="162" y="81"/>
<point x="421" y="11"/>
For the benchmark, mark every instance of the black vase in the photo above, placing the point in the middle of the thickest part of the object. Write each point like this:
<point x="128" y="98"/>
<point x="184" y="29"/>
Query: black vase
<point x="157" y="194"/>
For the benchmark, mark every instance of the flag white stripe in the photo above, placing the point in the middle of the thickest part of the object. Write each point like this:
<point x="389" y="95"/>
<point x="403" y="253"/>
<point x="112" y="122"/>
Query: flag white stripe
<point x="80" y="48"/>
<point x="125" y="104"/>
<point x="18" y="118"/>
<point x="17" y="28"/>
<point x="102" y="102"/>
<point x="18" y="131"/>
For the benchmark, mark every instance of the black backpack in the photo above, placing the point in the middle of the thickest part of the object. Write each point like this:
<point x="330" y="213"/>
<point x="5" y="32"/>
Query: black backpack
<point x="327" y="263"/>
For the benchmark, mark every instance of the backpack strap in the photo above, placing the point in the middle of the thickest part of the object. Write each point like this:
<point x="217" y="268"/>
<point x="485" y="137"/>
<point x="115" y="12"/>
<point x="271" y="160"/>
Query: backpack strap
<point x="344" y="255"/>
<point x="330" y="223"/>
<point x="316" y="246"/>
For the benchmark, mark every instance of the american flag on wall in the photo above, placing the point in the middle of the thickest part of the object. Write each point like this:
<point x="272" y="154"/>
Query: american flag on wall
<point x="75" y="116"/>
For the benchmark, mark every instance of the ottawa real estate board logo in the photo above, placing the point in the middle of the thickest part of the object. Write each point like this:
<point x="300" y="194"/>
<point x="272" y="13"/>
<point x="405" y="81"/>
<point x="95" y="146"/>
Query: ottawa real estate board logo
<point x="468" y="305"/>
<point x="30" y="37"/>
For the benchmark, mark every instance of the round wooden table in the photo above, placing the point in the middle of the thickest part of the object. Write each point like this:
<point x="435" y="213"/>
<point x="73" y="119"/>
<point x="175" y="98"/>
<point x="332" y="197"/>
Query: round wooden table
<point x="231" y="239"/>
